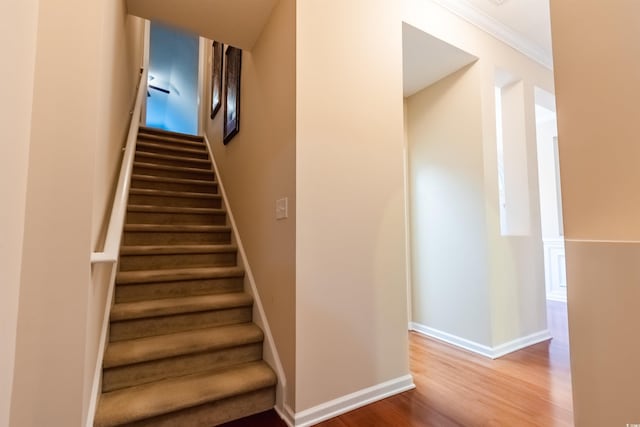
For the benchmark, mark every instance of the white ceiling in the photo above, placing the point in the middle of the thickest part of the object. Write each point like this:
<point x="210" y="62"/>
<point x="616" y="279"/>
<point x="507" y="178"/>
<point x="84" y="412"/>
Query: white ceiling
<point x="523" y="24"/>
<point x="427" y="59"/>
<point x="529" y="18"/>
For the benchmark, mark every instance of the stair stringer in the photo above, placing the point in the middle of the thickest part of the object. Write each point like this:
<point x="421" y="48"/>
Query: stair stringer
<point x="270" y="352"/>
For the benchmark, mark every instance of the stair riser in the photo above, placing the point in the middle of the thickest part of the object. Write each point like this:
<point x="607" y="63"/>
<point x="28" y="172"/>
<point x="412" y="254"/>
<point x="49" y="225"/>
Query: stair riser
<point x="145" y="132"/>
<point x="178" y="238"/>
<point x="215" y="413"/>
<point x="210" y="188"/>
<point x="175" y="160"/>
<point x="204" y="175"/>
<point x="188" y="202"/>
<point x="192" y="145"/>
<point x="141" y="373"/>
<point x="168" y="149"/>
<point x="159" y="262"/>
<point x="139" y="328"/>
<point x="176" y="218"/>
<point x="185" y="288"/>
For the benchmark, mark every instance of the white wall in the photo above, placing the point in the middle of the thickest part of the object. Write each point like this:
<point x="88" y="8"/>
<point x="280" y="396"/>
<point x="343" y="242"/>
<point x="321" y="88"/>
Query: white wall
<point x="350" y="246"/>
<point x="597" y="64"/>
<point x="449" y="236"/>
<point x="546" y="131"/>
<point x="18" y="24"/>
<point x="514" y="264"/>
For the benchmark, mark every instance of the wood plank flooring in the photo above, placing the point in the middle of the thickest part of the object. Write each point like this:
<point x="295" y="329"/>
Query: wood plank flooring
<point x="531" y="387"/>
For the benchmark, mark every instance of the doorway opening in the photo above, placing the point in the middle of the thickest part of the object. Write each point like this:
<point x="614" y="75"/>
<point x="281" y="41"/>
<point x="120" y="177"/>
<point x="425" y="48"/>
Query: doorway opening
<point x="477" y="274"/>
<point x="550" y="196"/>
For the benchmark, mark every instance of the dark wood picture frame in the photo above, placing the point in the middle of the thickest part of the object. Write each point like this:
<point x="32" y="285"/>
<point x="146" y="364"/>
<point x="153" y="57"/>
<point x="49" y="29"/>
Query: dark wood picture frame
<point x="216" y="77"/>
<point x="231" y="124"/>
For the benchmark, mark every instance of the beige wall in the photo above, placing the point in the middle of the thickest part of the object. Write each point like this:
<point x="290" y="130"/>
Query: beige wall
<point x="515" y="264"/>
<point x="258" y="166"/>
<point x="449" y="236"/>
<point x="350" y="244"/>
<point x="120" y="62"/>
<point x="120" y="55"/>
<point x="70" y="125"/>
<point x="18" y="24"/>
<point x="597" y="63"/>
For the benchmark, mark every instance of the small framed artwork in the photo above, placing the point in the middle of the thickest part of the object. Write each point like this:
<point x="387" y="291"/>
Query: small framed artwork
<point x="232" y="93"/>
<point x="216" y="77"/>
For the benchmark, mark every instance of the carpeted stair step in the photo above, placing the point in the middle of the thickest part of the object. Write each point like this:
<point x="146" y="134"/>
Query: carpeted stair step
<point x="172" y="160"/>
<point x="146" y="196"/>
<point x="145" y="131"/>
<point x="171" y="149"/>
<point x="147" y="318"/>
<point x="192" y="400"/>
<point x="203" y="399"/>
<point x="139" y="361"/>
<point x="168" y="234"/>
<point x="141" y="285"/>
<point x="170" y="141"/>
<point x="172" y="171"/>
<point x="174" y="184"/>
<point x="182" y="349"/>
<point x="176" y="256"/>
<point x="149" y="214"/>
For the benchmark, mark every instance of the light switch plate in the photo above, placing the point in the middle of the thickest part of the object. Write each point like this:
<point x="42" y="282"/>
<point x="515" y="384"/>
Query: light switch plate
<point x="282" y="208"/>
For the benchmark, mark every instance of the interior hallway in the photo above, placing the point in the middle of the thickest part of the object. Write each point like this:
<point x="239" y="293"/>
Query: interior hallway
<point x="530" y="387"/>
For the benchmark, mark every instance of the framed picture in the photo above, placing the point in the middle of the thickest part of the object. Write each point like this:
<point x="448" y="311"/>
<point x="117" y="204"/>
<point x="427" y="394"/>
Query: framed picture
<point x="216" y="77"/>
<point x="232" y="93"/>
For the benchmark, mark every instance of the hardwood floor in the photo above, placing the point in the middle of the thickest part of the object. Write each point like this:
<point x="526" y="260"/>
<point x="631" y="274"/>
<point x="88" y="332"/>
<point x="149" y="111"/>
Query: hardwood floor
<point x="531" y="387"/>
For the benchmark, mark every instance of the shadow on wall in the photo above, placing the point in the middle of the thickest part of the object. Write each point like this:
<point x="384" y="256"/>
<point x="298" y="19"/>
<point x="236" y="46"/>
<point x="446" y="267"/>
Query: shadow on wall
<point x="172" y="102"/>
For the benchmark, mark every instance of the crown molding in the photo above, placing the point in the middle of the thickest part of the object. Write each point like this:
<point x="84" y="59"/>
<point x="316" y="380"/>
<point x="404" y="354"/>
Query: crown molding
<point x="500" y="31"/>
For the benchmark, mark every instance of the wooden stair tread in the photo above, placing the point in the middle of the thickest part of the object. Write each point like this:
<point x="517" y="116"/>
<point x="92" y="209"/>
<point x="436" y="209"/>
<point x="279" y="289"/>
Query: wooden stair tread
<point x="173" y="209"/>
<point x="161" y="397"/>
<point x="153" y="348"/>
<point x="177" y="274"/>
<point x="173" y="180"/>
<point x="171" y="306"/>
<point x="170" y="193"/>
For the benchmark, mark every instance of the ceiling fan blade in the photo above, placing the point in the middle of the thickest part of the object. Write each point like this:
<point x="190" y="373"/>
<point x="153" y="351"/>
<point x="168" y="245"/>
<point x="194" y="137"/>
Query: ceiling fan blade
<point x="160" y="89"/>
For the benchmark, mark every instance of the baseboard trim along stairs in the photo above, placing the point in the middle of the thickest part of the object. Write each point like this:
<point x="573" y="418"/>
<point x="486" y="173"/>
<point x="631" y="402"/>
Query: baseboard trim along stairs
<point x="183" y="348"/>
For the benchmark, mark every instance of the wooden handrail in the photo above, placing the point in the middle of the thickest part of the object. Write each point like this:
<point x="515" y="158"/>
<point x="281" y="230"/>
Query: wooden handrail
<point x="116" y="222"/>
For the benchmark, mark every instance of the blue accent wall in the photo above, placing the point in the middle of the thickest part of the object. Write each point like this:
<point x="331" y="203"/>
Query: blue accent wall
<point x="173" y="66"/>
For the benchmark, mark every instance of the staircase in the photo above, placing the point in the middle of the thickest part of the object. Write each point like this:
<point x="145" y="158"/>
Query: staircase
<point x="182" y="349"/>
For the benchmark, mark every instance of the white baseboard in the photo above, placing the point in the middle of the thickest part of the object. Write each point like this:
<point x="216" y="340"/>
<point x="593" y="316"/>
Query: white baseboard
<point x="520" y="343"/>
<point x="453" y="340"/>
<point x="483" y="350"/>
<point x="352" y="401"/>
<point x="286" y="414"/>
